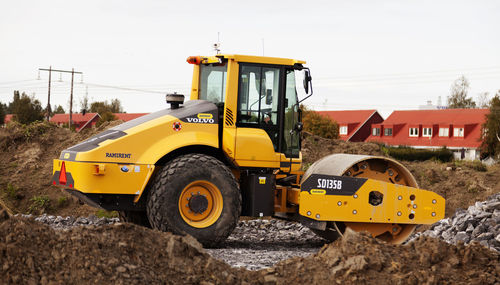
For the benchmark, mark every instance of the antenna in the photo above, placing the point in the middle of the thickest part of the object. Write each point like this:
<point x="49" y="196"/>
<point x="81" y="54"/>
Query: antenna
<point x="217" y="45"/>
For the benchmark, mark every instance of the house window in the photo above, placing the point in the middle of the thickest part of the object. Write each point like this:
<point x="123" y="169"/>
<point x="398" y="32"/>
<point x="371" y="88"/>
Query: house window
<point x="427" y="132"/>
<point x="388" y="132"/>
<point x="343" y="130"/>
<point x="458" y="132"/>
<point x="413" y="132"/>
<point x="376" y="131"/>
<point x="444" y="132"/>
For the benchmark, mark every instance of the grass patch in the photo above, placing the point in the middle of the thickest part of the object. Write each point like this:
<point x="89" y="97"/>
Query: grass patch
<point x="106" y="214"/>
<point x="475" y="165"/>
<point x="413" y="154"/>
<point x="62" y="202"/>
<point x="40" y="204"/>
<point x="12" y="192"/>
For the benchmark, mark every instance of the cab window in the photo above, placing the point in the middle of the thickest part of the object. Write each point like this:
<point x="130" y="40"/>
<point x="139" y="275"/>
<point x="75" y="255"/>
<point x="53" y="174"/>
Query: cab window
<point x="212" y="85"/>
<point x="258" y="95"/>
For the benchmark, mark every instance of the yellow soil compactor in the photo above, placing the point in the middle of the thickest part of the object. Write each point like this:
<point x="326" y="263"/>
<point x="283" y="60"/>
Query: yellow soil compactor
<point x="234" y="149"/>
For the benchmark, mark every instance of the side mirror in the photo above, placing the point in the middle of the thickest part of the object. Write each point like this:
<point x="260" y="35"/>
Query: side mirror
<point x="307" y="80"/>
<point x="269" y="96"/>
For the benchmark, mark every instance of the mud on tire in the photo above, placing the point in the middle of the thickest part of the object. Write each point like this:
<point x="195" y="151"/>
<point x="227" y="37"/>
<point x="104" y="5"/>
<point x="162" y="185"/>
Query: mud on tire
<point x="171" y="182"/>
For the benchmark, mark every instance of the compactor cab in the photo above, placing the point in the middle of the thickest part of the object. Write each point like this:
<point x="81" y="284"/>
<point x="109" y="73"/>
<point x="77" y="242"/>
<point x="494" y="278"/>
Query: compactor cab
<point x="234" y="149"/>
<point x="258" y="107"/>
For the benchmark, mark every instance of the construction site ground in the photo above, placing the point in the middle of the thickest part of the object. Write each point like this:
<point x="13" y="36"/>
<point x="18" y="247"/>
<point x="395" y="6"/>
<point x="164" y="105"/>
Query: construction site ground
<point x="33" y="253"/>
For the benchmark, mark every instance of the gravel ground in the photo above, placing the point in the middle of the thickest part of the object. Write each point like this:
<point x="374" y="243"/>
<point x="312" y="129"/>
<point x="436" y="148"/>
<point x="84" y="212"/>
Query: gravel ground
<point x="254" y="244"/>
<point x="258" y="244"/>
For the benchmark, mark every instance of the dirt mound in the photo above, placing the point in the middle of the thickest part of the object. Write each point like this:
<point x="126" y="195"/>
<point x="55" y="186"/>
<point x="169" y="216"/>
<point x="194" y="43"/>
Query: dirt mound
<point x="315" y="148"/>
<point x="26" y="154"/>
<point x="4" y="215"/>
<point x="359" y="259"/>
<point x="461" y="183"/>
<point x="33" y="253"/>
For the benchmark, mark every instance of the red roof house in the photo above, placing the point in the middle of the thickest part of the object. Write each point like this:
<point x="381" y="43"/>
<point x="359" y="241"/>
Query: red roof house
<point x="457" y="129"/>
<point x="354" y="125"/>
<point x="7" y="118"/>
<point x="79" y="120"/>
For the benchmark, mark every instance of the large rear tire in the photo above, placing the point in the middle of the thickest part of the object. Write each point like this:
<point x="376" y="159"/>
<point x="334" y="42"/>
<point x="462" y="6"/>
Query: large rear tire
<point x="195" y="194"/>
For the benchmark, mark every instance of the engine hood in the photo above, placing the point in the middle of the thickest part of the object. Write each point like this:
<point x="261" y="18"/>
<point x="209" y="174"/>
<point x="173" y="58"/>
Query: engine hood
<point x="128" y="142"/>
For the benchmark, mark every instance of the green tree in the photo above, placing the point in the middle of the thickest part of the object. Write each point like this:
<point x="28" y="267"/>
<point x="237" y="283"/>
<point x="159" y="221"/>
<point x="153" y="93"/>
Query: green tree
<point x="106" y="110"/>
<point x="116" y="106"/>
<point x="319" y="125"/>
<point x="3" y="112"/>
<point x="15" y="100"/>
<point x="491" y="129"/>
<point x="458" y="97"/>
<point x="26" y="109"/>
<point x="59" y="110"/>
<point x="97" y="107"/>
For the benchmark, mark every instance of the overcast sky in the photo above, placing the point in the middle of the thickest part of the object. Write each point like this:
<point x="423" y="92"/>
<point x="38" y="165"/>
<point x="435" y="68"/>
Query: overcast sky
<point x="384" y="55"/>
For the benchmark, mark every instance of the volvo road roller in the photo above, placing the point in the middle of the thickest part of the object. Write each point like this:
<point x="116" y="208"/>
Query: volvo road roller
<point x="234" y="149"/>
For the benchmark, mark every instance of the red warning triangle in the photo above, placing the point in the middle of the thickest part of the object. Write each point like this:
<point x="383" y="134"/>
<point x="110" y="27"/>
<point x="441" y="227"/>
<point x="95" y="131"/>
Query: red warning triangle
<point x="62" y="175"/>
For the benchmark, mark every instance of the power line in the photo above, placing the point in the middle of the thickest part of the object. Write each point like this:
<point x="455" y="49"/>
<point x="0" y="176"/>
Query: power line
<point x="461" y="70"/>
<point x="50" y="70"/>
<point x="400" y="82"/>
<point x="17" y="81"/>
<point x="124" y="88"/>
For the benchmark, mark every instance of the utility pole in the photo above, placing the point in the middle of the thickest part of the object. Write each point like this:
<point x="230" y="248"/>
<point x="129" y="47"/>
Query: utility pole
<point x="48" y="99"/>
<point x="71" y="99"/>
<point x="71" y="95"/>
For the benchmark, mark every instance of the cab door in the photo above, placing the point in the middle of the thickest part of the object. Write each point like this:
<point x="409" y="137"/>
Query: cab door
<point x="290" y="158"/>
<point x="259" y="120"/>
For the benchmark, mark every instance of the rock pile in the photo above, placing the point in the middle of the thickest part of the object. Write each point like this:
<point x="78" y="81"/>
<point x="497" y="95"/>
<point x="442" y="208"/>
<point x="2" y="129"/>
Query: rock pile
<point x="59" y="222"/>
<point x="480" y="223"/>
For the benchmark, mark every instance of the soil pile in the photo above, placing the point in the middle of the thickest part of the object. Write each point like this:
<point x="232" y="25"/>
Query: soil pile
<point x="33" y="253"/>
<point x="26" y="154"/>
<point x="360" y="259"/>
<point x="315" y="148"/>
<point x="461" y="183"/>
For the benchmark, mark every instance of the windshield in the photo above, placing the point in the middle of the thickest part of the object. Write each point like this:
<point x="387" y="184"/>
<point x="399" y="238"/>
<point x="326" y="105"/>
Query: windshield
<point x="213" y="82"/>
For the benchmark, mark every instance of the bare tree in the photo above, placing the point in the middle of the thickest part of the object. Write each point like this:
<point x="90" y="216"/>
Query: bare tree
<point x="84" y="103"/>
<point x="483" y="100"/>
<point x="458" y="97"/>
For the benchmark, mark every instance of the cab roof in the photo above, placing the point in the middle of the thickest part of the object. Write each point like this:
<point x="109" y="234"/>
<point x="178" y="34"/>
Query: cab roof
<point x="255" y="59"/>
